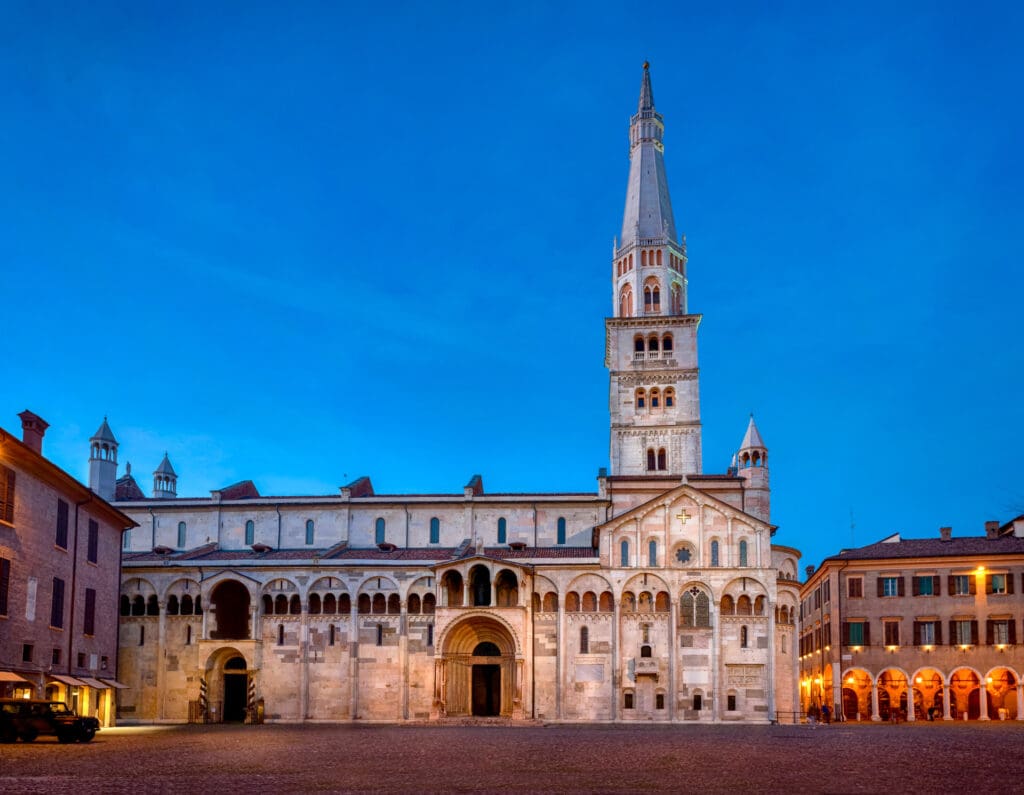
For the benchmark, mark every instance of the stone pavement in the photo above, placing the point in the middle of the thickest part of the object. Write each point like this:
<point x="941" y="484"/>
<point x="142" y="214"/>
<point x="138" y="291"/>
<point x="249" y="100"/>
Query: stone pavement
<point x="928" y="757"/>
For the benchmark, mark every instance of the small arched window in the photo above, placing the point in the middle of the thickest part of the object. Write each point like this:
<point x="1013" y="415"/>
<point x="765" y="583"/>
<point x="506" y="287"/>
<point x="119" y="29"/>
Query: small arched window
<point x="188" y="634"/>
<point x="250" y="532"/>
<point x="435" y="530"/>
<point x="743" y="637"/>
<point x="152" y="606"/>
<point x="310" y="531"/>
<point x="280" y="634"/>
<point x="655" y="398"/>
<point x="172" y="605"/>
<point x="652" y="553"/>
<point x="670" y="397"/>
<point x="186" y="606"/>
<point x="126" y="605"/>
<point x="378" y="533"/>
<point x="584" y="640"/>
<point x="641" y="398"/>
<point x="645" y="651"/>
<point x="638" y="344"/>
<point x="561" y="529"/>
<point x="502" y="531"/>
<point x="662" y="462"/>
<point x="181" y="535"/>
<point x="652" y="344"/>
<point x="714" y="554"/>
<point x="666" y="343"/>
<point x="743" y="553"/>
<point x="651" y="461"/>
<point x="643" y="258"/>
<point x="315" y="604"/>
<point x="624" y="553"/>
<point x="626" y="301"/>
<point x="330" y="604"/>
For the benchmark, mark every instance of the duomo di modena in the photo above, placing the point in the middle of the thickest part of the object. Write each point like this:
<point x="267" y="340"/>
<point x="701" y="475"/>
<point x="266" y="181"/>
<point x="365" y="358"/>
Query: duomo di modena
<point x="659" y="597"/>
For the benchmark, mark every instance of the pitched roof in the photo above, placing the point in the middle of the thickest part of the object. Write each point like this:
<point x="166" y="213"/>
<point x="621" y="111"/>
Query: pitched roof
<point x="934" y="548"/>
<point x="127" y="489"/>
<point x="244" y="490"/>
<point x="752" y="438"/>
<point x="103" y="433"/>
<point x="165" y="467"/>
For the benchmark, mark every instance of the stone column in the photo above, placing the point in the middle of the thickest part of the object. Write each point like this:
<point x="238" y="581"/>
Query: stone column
<point x="716" y="648"/>
<point x="983" y="700"/>
<point x="559" y="658"/>
<point x="875" y="715"/>
<point x="403" y="656"/>
<point x="304" y="662"/>
<point x="770" y="684"/>
<point x="673" y="651"/>
<point x="946" y="709"/>
<point x="837" y="690"/>
<point x="161" y="656"/>
<point x="616" y="657"/>
<point x="1020" y="701"/>
<point x="353" y="658"/>
<point x="910" y="701"/>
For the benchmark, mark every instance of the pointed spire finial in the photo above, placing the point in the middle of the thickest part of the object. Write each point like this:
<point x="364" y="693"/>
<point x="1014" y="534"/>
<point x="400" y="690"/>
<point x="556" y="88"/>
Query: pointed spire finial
<point x="646" y="92"/>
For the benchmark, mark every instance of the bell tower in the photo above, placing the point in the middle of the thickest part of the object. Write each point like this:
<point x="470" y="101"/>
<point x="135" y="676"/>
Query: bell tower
<point x="650" y="340"/>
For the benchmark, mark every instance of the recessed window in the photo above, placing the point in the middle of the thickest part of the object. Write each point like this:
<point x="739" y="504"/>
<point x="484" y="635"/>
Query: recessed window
<point x="964" y="632"/>
<point x="627" y="700"/>
<point x="93" y="542"/>
<point x="57" y="604"/>
<point x="81" y="659"/>
<point x="892" y="632"/>
<point x="561" y="529"/>
<point x="55" y="657"/>
<point x="89" y="623"/>
<point x="857" y="633"/>
<point x="502" y="531"/>
<point x="743" y="553"/>
<point x="7" y="495"/>
<point x="624" y="553"/>
<point x="926" y="585"/>
<point x="855" y="587"/>
<point x="659" y="701"/>
<point x="960" y="584"/>
<point x="379" y="530"/>
<point x="652" y="553"/>
<point x="435" y="530"/>
<point x="998" y="632"/>
<point x="698" y="701"/>
<point x="26" y="652"/>
<point x="61" y="539"/>
<point x="927" y="633"/>
<point x="380" y="634"/>
<point x="250" y="532"/>
<point x="584" y="640"/>
<point x="889" y="586"/>
<point x="5" y="584"/>
<point x="730" y="702"/>
<point x="997" y="583"/>
<point x="310" y="531"/>
<point x="182" y="533"/>
<point x="743" y="637"/>
<point x="714" y="553"/>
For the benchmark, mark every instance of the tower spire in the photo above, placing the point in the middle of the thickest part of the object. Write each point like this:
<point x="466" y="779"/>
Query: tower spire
<point x="646" y="92"/>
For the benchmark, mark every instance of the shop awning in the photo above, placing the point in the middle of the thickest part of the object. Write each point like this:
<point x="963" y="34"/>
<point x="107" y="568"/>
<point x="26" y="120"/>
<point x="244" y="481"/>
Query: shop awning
<point x="116" y="684"/>
<point x="10" y="676"/>
<point x="67" y="680"/>
<point x="96" y="683"/>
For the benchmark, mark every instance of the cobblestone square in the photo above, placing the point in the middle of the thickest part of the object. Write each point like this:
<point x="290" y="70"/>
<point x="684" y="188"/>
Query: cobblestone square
<point x="588" y="758"/>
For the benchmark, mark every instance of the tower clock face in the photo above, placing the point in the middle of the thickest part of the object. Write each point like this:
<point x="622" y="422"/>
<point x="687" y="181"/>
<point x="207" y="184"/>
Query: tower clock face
<point x="683" y="555"/>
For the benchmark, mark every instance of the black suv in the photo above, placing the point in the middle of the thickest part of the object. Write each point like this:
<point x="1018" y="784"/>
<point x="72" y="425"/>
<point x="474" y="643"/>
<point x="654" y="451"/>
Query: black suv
<point x="20" y="717"/>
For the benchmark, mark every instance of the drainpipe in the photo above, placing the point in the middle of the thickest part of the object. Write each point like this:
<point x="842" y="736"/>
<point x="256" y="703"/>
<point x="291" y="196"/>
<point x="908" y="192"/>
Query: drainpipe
<point x="152" y="521"/>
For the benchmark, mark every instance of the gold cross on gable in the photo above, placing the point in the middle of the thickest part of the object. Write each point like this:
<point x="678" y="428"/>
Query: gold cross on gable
<point x="683" y="516"/>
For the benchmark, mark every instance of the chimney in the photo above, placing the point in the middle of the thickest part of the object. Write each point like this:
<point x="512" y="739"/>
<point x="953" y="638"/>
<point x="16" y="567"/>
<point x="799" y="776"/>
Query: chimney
<point x="991" y="529"/>
<point x="33" y="427"/>
<point x="810" y="571"/>
<point x="946" y="533"/>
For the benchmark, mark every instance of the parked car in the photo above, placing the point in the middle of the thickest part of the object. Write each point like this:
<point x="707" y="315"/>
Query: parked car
<point x="27" y="719"/>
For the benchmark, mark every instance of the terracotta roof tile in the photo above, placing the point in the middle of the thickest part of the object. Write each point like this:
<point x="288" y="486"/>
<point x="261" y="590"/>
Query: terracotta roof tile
<point x="934" y="548"/>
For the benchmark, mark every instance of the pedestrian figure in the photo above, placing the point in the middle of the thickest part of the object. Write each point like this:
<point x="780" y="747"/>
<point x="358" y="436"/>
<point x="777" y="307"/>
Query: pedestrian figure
<point x="826" y="714"/>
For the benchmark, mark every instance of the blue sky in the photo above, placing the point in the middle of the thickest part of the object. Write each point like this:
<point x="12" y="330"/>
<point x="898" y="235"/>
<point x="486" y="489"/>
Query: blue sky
<point x="302" y="244"/>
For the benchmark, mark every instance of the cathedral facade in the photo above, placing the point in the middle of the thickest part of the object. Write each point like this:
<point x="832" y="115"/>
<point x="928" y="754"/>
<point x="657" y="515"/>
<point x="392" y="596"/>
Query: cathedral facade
<point x="659" y="597"/>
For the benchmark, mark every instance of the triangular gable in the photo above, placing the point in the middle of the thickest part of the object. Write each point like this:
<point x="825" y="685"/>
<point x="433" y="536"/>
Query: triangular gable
<point x="700" y="497"/>
<point x="482" y="557"/>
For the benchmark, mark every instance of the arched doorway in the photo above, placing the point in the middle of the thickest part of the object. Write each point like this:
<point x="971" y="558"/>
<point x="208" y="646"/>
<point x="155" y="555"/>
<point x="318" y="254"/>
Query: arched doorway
<point x="230" y="607"/>
<point x="479" y="673"/>
<point x="236" y="685"/>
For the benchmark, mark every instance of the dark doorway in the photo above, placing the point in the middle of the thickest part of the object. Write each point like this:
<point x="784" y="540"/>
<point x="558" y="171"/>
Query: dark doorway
<point x="486" y="690"/>
<point x="235" y="686"/>
<point x="850" y="705"/>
